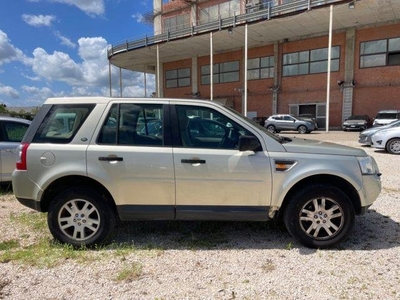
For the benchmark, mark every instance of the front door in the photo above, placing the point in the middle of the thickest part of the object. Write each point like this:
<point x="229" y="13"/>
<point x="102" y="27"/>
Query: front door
<point x="214" y="180"/>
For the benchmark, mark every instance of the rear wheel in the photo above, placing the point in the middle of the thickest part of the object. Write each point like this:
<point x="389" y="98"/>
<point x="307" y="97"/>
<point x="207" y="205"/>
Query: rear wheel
<point x="320" y="216"/>
<point x="81" y="217"/>
<point x="393" y="146"/>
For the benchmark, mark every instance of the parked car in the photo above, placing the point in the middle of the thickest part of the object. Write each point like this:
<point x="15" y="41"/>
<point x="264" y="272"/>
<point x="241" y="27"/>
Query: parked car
<point x="365" y="135"/>
<point x="278" y="123"/>
<point x="11" y="132"/>
<point x="308" y="117"/>
<point x="388" y="139"/>
<point x="209" y="163"/>
<point x="385" y="117"/>
<point x="357" y="122"/>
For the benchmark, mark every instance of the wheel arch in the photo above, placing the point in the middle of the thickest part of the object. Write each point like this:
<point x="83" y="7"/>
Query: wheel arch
<point x="67" y="182"/>
<point x="332" y="180"/>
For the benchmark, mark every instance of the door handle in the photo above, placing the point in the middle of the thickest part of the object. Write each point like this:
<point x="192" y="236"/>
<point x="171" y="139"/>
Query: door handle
<point x="110" y="158"/>
<point x="193" y="161"/>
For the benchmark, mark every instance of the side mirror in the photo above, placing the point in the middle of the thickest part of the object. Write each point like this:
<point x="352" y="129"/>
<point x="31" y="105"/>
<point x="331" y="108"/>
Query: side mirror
<point x="250" y="143"/>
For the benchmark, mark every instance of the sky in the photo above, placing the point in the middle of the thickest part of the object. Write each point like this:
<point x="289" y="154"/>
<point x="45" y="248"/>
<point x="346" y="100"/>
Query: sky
<point x="58" y="48"/>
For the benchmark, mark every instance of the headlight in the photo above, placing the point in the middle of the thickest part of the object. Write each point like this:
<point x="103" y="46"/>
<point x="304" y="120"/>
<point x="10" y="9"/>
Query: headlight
<point x="368" y="165"/>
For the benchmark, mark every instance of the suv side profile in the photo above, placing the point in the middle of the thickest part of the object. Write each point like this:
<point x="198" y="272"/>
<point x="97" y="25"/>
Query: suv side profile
<point x="204" y="161"/>
<point x="278" y="123"/>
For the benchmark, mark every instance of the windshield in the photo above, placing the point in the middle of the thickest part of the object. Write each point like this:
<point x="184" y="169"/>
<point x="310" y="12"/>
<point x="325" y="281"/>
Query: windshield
<point x="386" y="116"/>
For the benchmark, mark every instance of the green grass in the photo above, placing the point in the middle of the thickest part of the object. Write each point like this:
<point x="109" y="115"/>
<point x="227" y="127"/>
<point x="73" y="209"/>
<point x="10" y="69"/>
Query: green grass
<point x="130" y="272"/>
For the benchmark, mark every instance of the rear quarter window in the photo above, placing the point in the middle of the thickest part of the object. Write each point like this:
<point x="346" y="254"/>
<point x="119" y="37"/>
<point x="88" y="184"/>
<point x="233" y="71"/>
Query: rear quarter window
<point x="62" y="122"/>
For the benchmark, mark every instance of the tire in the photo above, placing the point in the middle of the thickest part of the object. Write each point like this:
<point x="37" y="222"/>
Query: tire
<point x="393" y="146"/>
<point x="320" y="216"/>
<point x="302" y="129"/>
<point x="81" y="217"/>
<point x="271" y="128"/>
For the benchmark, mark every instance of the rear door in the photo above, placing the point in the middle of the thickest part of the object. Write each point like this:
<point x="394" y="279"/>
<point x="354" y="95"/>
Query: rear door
<point x="134" y="161"/>
<point x="214" y="180"/>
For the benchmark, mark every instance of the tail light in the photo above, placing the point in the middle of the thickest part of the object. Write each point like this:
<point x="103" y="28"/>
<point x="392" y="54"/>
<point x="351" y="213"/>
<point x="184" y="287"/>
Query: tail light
<point x="21" y="160"/>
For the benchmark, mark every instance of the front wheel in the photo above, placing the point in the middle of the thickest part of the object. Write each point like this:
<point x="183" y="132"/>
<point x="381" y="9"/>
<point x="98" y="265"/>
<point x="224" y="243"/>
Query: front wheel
<point x="271" y="128"/>
<point x="81" y="217"/>
<point x="320" y="216"/>
<point x="302" y="129"/>
<point x="393" y="146"/>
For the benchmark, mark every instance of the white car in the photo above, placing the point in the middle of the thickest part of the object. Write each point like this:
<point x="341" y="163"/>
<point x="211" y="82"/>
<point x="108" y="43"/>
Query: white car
<point x="388" y="139"/>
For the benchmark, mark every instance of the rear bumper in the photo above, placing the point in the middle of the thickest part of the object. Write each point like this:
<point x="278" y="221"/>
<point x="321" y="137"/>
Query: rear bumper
<point x="25" y="190"/>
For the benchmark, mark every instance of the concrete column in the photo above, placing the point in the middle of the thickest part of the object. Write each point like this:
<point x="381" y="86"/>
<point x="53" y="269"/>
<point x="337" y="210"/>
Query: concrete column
<point x="157" y="10"/>
<point x="194" y="78"/>
<point x="275" y="88"/>
<point x="348" y="85"/>
<point x="193" y="14"/>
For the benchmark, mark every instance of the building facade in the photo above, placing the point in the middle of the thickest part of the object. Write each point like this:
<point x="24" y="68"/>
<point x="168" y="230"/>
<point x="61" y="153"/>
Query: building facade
<point x="271" y="57"/>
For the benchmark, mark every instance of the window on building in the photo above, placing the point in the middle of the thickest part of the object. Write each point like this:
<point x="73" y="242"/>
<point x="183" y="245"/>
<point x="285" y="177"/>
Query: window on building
<point x="225" y="10"/>
<point x="260" y="68"/>
<point x="223" y="72"/>
<point x="310" y="61"/>
<point x="177" y="78"/>
<point x="380" y="53"/>
<point x="176" y="23"/>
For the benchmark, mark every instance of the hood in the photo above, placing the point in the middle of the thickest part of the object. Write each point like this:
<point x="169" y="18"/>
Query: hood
<point x="298" y="145"/>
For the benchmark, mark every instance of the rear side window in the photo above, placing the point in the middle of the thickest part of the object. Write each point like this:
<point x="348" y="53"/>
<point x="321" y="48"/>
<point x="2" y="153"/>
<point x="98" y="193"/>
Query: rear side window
<point x="62" y="122"/>
<point x="13" y="131"/>
<point x="133" y="124"/>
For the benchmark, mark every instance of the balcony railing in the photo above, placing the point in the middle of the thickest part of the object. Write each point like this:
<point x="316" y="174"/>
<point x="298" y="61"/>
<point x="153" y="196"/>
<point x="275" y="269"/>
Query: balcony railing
<point x="252" y="14"/>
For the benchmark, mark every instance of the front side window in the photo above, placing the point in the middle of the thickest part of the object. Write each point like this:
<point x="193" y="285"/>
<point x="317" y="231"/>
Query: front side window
<point x="133" y="124"/>
<point x="62" y="122"/>
<point x="310" y="61"/>
<point x="380" y="53"/>
<point x="223" y="72"/>
<point x="202" y="127"/>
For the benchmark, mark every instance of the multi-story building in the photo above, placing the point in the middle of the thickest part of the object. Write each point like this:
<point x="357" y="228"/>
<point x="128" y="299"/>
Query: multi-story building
<point x="272" y="56"/>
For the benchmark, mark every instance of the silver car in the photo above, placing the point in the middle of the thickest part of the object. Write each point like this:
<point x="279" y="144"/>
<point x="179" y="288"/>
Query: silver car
<point x="278" y="123"/>
<point x="388" y="139"/>
<point x="207" y="162"/>
<point x="365" y="135"/>
<point x="12" y="131"/>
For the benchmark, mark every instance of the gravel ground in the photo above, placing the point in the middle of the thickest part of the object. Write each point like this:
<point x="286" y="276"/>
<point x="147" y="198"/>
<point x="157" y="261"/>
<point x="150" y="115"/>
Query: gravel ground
<point x="237" y="260"/>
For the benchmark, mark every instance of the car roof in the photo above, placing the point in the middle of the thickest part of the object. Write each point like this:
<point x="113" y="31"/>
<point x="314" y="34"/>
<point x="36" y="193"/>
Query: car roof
<point x="106" y="100"/>
<point x="7" y="118"/>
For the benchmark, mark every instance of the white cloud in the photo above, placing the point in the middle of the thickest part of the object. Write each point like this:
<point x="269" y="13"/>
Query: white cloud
<point x="57" y="66"/>
<point x="8" y="52"/>
<point x="39" y="20"/>
<point x="64" y="40"/>
<point x="90" y="7"/>
<point x="9" y="92"/>
<point x="138" y="17"/>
